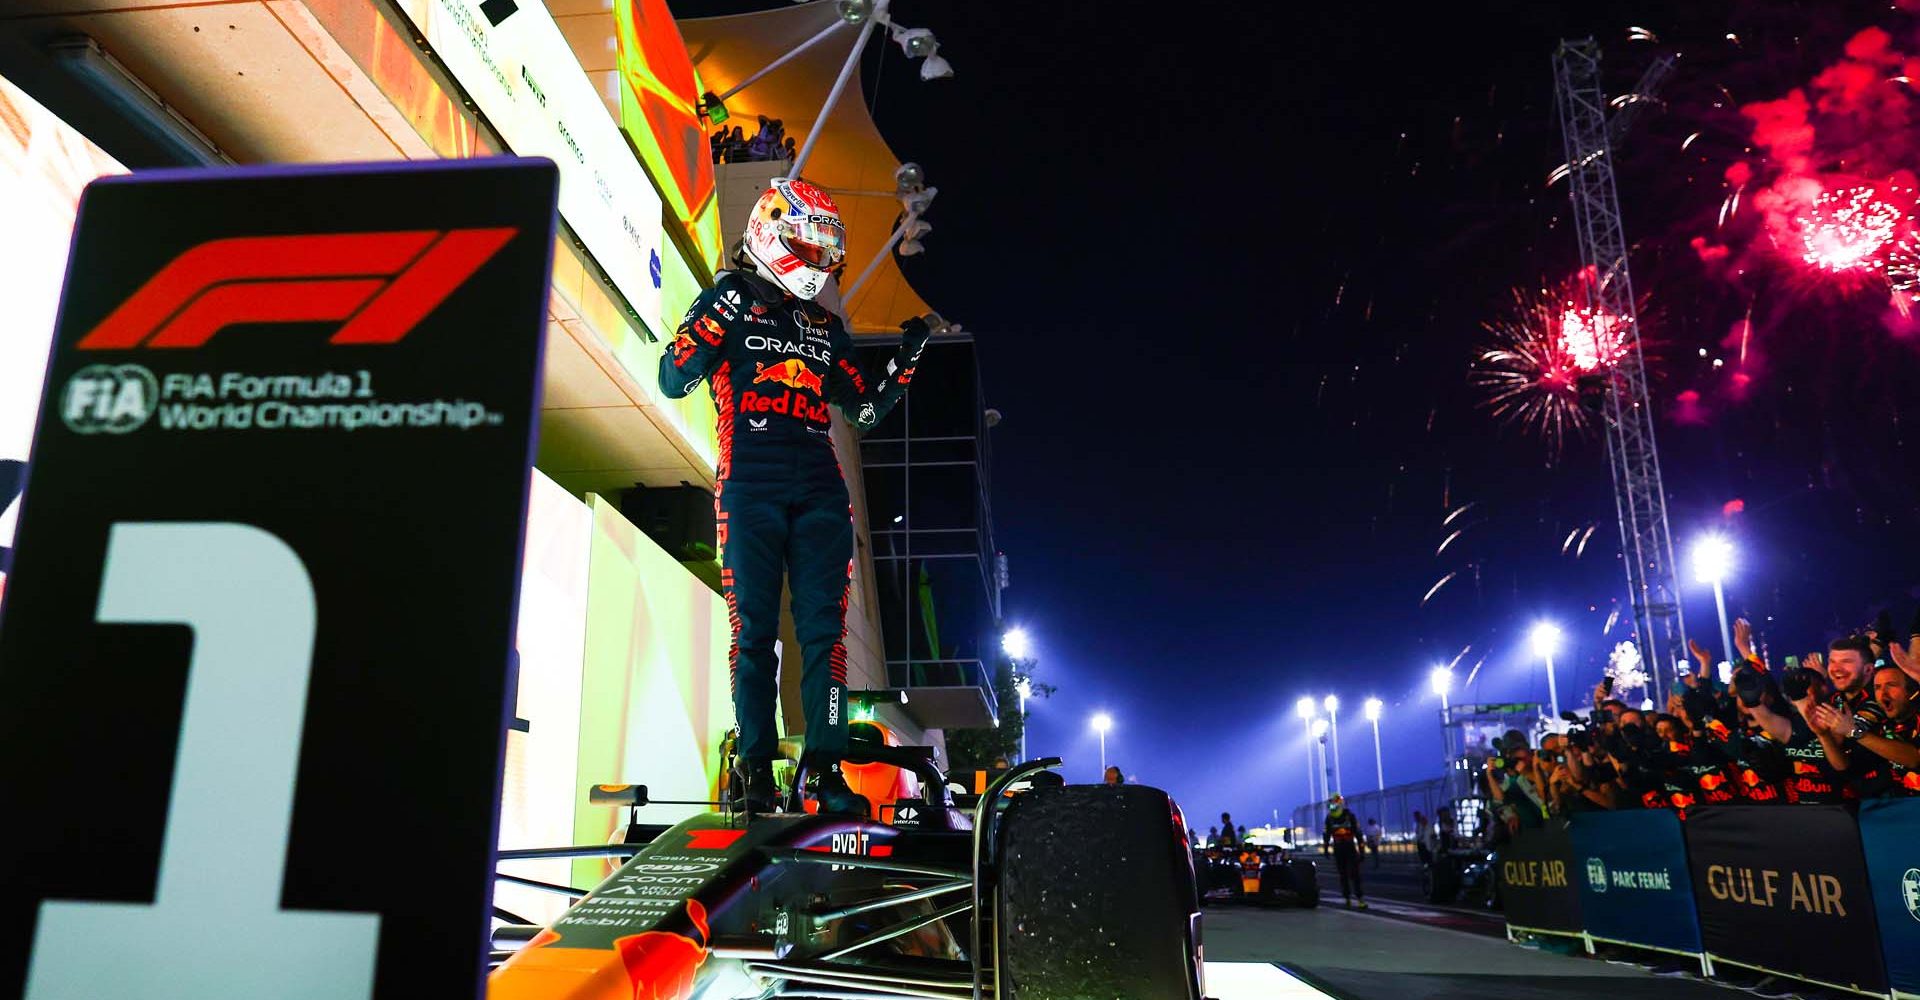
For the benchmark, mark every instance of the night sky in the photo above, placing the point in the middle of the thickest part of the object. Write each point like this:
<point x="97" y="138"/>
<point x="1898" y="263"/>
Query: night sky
<point x="1228" y="268"/>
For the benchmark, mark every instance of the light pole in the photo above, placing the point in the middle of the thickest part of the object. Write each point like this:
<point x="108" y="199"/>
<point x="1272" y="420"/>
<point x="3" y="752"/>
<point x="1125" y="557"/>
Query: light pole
<point x="1712" y="558"/>
<point x="1101" y="723"/>
<point x="1015" y="643"/>
<point x="1440" y="679"/>
<point x="1305" y="709"/>
<point x="1545" y="638"/>
<point x="1319" y="732"/>
<point x="1332" y="704"/>
<point x="1379" y="769"/>
<point x="1025" y="690"/>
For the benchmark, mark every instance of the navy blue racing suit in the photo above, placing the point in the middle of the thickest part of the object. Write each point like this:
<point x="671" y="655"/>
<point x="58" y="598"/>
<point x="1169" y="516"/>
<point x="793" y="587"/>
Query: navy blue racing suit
<point x="772" y="363"/>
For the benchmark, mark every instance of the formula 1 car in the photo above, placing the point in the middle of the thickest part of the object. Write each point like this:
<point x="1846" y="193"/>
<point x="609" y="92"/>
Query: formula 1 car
<point x="1041" y="890"/>
<point x="1255" y="873"/>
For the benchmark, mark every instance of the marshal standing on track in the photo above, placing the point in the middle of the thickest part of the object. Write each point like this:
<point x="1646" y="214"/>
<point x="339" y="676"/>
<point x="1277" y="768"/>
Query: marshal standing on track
<point x="773" y="359"/>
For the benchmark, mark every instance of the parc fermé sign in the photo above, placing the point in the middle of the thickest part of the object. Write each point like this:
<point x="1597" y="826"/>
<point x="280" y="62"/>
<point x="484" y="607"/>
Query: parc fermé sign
<point x="257" y="638"/>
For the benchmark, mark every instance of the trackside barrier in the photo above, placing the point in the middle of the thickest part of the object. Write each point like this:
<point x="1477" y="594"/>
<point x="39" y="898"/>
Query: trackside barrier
<point x="1890" y="836"/>
<point x="1537" y="890"/>
<point x="1635" y="889"/>
<point x="1807" y="892"/>
<point x="1784" y="890"/>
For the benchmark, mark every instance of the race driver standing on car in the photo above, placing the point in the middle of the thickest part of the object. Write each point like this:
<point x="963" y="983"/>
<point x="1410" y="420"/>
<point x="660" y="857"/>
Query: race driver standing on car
<point x="773" y="359"/>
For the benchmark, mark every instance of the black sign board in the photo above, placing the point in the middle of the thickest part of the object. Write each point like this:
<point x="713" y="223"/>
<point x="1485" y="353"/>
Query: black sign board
<point x="255" y="653"/>
<point x="1786" y="889"/>
<point x="1539" y="887"/>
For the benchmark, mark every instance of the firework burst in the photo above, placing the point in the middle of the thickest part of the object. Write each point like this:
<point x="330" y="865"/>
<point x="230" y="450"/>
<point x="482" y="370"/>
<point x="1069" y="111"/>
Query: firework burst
<point x="1847" y="232"/>
<point x="1549" y="360"/>
<point x="1903" y="266"/>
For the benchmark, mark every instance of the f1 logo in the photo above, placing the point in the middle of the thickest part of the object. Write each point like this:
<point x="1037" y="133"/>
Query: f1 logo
<point x="379" y="285"/>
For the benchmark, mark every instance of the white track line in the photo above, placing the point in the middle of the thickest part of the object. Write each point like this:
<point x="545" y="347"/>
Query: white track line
<point x="1256" y="981"/>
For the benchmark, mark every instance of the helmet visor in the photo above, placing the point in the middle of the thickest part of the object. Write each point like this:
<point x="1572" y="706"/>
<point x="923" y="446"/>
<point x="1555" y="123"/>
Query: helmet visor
<point x="818" y="240"/>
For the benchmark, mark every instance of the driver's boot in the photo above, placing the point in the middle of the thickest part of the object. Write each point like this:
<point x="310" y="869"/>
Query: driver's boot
<point x="759" y="794"/>
<point x="831" y="793"/>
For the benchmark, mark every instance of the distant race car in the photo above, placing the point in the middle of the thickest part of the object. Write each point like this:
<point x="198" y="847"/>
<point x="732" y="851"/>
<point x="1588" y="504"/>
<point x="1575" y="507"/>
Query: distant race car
<point x="1014" y="897"/>
<point x="1255" y="873"/>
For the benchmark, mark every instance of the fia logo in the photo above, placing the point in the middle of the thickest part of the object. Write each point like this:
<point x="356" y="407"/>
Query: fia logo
<point x="109" y="399"/>
<point x="1910" y="892"/>
<point x="1596" y="875"/>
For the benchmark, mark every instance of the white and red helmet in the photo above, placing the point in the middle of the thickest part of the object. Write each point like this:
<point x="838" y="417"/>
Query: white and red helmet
<point x="795" y="238"/>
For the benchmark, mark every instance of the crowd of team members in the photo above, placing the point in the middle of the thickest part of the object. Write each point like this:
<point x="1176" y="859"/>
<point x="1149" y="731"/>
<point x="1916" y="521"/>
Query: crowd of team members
<point x="1830" y="728"/>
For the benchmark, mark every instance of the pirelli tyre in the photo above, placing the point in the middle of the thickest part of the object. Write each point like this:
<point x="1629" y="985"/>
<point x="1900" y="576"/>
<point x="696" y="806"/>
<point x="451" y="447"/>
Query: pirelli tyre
<point x="1294" y="881"/>
<point x="1096" y="897"/>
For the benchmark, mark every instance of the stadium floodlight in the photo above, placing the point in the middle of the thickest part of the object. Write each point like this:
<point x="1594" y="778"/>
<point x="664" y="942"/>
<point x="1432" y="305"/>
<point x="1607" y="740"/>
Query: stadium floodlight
<point x="1440" y="680"/>
<point x="855" y="11"/>
<point x="910" y="244"/>
<point x="1319" y="728"/>
<point x="1373" y="707"/>
<point x="1331" y="703"/>
<point x="1016" y="643"/>
<point x="917" y="43"/>
<point x="1545" y="638"/>
<point x="1102" y="722"/>
<point x="909" y="178"/>
<point x="1712" y="559"/>
<point x="1306" y="707"/>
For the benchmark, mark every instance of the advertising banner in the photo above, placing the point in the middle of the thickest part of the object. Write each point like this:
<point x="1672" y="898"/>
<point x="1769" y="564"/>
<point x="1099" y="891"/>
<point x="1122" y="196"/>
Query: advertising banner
<point x="660" y="112"/>
<point x="1890" y="836"/>
<point x="1536" y="872"/>
<point x="1634" y="885"/>
<point x="512" y="59"/>
<point x="258" y="635"/>
<point x="1785" y="889"/>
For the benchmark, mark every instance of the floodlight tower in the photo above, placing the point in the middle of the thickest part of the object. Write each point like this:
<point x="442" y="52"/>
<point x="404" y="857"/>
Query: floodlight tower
<point x="1640" y="500"/>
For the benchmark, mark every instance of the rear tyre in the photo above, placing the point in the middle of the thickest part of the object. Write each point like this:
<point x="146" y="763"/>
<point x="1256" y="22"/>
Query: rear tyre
<point x="1306" y="882"/>
<point x="1440" y="880"/>
<point x="1096" y="897"/>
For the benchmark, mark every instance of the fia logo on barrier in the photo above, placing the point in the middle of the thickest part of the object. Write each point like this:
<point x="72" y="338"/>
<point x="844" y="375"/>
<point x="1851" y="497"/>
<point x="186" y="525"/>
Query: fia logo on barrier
<point x="1596" y="875"/>
<point x="1910" y="892"/>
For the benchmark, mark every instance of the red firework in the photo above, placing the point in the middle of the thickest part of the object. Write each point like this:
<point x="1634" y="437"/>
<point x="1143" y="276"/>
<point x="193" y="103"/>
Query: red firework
<point x="1546" y="367"/>
<point x="1590" y="339"/>
<point x="1848" y="232"/>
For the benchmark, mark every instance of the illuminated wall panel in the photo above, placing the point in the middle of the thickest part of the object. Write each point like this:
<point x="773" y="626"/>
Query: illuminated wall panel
<point x="654" y="698"/>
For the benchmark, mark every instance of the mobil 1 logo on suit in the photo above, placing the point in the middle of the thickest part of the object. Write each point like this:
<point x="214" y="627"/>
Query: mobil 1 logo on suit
<point x="258" y="627"/>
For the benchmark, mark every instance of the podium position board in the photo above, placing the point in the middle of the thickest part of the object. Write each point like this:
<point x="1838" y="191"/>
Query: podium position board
<point x="255" y="648"/>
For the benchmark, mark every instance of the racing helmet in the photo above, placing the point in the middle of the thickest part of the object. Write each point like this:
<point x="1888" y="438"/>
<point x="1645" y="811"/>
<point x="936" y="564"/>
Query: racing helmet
<point x="794" y="237"/>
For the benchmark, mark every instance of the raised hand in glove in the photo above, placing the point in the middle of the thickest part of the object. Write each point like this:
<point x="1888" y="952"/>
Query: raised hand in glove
<point x="915" y="333"/>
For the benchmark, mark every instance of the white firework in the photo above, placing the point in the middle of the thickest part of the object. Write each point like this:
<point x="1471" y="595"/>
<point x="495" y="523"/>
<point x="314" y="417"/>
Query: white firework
<point x="1628" y="670"/>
